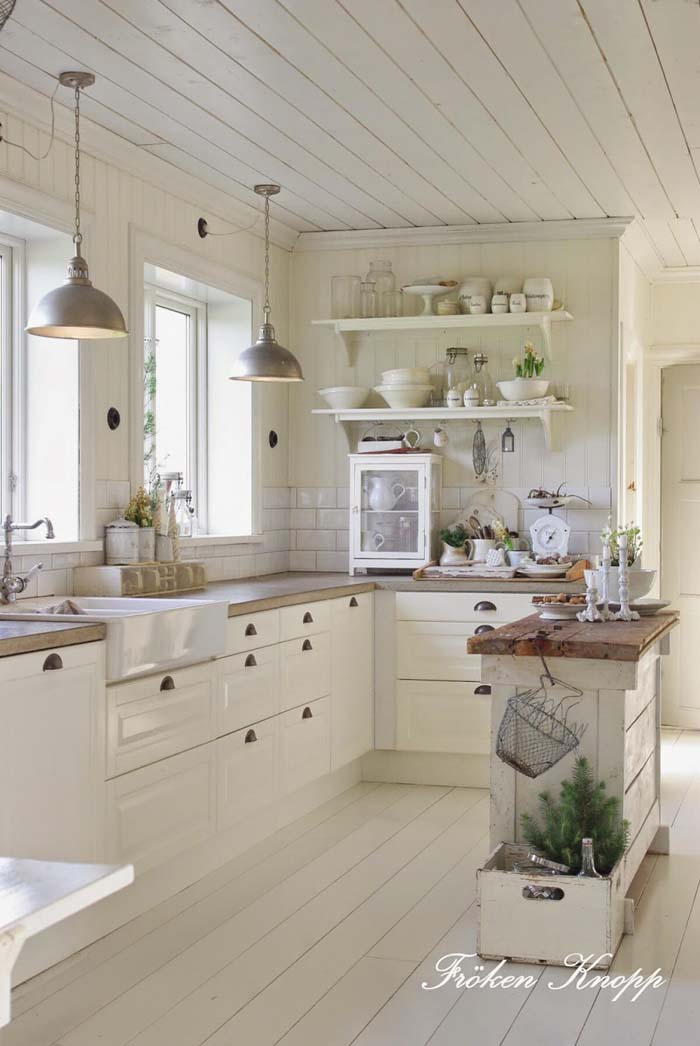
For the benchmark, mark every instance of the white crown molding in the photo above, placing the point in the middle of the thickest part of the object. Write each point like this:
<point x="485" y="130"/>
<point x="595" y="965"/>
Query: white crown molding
<point x="25" y="103"/>
<point x="503" y="232"/>
<point x="687" y="274"/>
<point x="674" y="353"/>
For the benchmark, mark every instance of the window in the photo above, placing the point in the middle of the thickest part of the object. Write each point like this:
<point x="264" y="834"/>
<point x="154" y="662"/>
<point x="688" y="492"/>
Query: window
<point x="197" y="422"/>
<point x="39" y="385"/>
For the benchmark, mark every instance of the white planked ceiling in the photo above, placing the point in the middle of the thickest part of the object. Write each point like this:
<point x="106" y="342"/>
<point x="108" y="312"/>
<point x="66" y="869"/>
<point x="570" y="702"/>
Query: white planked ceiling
<point x="396" y="113"/>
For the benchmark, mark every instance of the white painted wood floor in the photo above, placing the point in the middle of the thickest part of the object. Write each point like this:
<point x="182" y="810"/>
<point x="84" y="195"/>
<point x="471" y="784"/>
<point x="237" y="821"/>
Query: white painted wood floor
<point x="322" y="935"/>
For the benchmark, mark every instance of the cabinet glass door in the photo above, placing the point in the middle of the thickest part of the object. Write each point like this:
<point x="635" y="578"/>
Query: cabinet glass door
<point x="390" y="518"/>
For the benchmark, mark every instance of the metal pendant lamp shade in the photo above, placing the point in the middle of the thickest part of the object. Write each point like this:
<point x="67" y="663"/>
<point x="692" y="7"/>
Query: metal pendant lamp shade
<point x="267" y="360"/>
<point x="77" y="309"/>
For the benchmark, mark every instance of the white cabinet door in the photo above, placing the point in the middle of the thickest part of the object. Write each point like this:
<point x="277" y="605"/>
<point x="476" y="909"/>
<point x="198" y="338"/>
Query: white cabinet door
<point x="247" y="689"/>
<point x="305" y="742"/>
<point x="305" y="670"/>
<point x="51" y="762"/>
<point x="352" y="678"/>
<point x="443" y="717"/>
<point x="155" y="813"/>
<point x="247" y="771"/>
<point x="437" y="649"/>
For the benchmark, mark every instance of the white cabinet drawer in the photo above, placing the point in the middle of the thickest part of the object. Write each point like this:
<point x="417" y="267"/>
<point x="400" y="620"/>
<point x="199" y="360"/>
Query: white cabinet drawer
<point x="251" y="631"/>
<point x="247" y="689"/>
<point x="305" y="744"/>
<point x="305" y="670"/>
<point x="443" y="717"/>
<point x="463" y="606"/>
<point x="247" y="771"/>
<point x="155" y="813"/>
<point x="437" y="649"/>
<point x="157" y="717"/>
<point x="305" y="619"/>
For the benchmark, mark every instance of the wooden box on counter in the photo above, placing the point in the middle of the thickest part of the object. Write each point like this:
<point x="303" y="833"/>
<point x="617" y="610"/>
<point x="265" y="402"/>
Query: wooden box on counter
<point x="140" y="579"/>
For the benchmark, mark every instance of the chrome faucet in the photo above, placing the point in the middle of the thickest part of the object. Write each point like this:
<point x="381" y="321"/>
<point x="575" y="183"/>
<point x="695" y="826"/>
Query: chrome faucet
<point x="11" y="584"/>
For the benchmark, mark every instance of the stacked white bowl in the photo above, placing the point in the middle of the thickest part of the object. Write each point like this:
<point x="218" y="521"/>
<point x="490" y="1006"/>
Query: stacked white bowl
<point x="405" y="387"/>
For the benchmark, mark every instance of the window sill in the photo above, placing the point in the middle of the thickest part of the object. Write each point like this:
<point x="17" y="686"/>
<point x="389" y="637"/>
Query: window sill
<point x="28" y="548"/>
<point x="221" y="539"/>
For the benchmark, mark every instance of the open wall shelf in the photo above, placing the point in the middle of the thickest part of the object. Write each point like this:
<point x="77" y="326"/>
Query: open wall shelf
<point x="351" y="331"/>
<point x="547" y="416"/>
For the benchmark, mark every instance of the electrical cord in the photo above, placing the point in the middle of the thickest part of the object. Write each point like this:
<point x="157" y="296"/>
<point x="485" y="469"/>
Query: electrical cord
<point x="24" y="149"/>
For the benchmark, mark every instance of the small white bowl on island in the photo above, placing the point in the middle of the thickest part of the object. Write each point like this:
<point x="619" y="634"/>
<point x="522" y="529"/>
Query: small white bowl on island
<point x="344" y="397"/>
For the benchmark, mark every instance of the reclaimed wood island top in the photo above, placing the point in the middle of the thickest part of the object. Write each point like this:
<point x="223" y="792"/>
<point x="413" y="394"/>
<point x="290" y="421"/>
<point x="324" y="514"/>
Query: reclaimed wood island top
<point x="604" y="641"/>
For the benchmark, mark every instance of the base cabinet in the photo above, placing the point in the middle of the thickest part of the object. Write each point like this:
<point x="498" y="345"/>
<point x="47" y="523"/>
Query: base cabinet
<point x="305" y="735"/>
<point x="352" y="678"/>
<point x="247" y="689"/>
<point x="247" y="772"/>
<point x="443" y="717"/>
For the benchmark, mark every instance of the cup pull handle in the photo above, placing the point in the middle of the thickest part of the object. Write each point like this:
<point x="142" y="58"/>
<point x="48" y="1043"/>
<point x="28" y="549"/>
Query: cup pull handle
<point x="250" y="737"/>
<point x="250" y="661"/>
<point x="480" y="629"/>
<point x="307" y="713"/>
<point x="306" y="645"/>
<point x="53" y="662"/>
<point x="251" y="630"/>
<point x="483" y="689"/>
<point x="485" y="604"/>
<point x="167" y="683"/>
<point x="308" y="620"/>
<point x="353" y="602"/>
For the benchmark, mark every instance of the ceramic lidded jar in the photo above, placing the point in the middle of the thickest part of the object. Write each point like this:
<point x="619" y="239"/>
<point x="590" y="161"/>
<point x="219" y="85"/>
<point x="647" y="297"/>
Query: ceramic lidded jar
<point x="121" y="542"/>
<point x="473" y="285"/>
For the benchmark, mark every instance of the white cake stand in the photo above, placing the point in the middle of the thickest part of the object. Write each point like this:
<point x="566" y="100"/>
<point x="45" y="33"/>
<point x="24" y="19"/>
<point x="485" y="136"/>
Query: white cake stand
<point x="427" y="292"/>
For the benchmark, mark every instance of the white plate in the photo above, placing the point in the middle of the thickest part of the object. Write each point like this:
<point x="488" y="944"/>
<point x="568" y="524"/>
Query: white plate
<point x="644" y="607"/>
<point x="558" y="611"/>
<point x="544" y="569"/>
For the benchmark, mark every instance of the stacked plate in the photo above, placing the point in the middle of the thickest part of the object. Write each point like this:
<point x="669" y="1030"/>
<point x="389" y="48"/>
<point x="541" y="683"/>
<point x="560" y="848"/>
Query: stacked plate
<point x="405" y="387"/>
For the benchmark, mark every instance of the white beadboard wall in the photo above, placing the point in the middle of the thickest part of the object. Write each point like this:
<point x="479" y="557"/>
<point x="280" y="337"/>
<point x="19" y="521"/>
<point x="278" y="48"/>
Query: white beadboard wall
<point x="585" y="276"/>
<point x="114" y="200"/>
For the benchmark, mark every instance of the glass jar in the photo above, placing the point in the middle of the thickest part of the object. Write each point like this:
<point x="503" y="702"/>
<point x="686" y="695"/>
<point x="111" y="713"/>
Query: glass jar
<point x="369" y="300"/>
<point x="391" y="303"/>
<point x="483" y="381"/>
<point x="184" y="513"/>
<point x="345" y="297"/>
<point x="437" y="383"/>
<point x="381" y="275"/>
<point x="457" y="372"/>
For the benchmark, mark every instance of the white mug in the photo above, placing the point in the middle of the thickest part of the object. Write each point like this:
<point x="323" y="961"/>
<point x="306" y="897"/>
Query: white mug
<point x="440" y="437"/>
<point x="373" y="538"/>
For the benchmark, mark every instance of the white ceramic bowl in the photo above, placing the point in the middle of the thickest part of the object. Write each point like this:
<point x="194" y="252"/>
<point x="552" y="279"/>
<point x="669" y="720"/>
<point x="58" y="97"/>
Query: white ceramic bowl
<point x="406" y="376"/>
<point x="640" y="582"/>
<point x="344" y="397"/>
<point x="403" y="397"/>
<point x="523" y="388"/>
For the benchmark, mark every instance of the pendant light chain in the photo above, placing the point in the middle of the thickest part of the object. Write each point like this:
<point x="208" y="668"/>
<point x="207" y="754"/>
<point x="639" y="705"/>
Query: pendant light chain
<point x="77" y="236"/>
<point x="266" y="307"/>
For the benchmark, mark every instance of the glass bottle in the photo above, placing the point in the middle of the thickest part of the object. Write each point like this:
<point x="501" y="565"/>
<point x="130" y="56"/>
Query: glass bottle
<point x="369" y="300"/>
<point x="457" y="372"/>
<point x="184" y="513"/>
<point x="381" y="276"/>
<point x="483" y="380"/>
<point x="588" y="868"/>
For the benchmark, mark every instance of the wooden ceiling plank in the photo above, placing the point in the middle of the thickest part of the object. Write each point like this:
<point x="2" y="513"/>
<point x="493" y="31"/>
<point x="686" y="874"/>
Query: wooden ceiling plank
<point x="204" y="45"/>
<point x="675" y="30"/>
<point x="563" y="32"/>
<point x="404" y="40"/>
<point x="666" y="243"/>
<point x="141" y="89"/>
<point x="273" y="24"/>
<point x="207" y="71"/>
<point x="268" y="66"/>
<point x="686" y="234"/>
<point x="623" y="37"/>
<point x="512" y="40"/>
<point x="469" y="180"/>
<point x="54" y="60"/>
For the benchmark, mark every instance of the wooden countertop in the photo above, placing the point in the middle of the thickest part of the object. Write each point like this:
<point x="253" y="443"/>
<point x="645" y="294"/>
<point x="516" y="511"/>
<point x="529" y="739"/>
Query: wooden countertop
<point x="24" y="637"/>
<point x="605" y="641"/>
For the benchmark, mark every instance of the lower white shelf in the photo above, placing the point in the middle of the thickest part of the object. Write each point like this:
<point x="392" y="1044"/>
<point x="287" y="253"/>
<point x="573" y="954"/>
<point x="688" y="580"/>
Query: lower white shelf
<point x="546" y="415"/>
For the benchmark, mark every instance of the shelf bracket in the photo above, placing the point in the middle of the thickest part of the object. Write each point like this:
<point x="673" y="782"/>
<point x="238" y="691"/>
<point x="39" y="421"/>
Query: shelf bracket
<point x="350" y="343"/>
<point x="550" y="428"/>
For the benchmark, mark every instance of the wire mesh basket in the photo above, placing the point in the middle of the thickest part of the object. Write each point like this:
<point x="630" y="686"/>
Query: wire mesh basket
<point x="6" y="9"/>
<point x="534" y="733"/>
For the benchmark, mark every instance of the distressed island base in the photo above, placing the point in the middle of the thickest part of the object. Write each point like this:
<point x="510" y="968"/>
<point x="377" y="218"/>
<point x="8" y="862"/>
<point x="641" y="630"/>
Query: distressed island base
<point x="616" y="665"/>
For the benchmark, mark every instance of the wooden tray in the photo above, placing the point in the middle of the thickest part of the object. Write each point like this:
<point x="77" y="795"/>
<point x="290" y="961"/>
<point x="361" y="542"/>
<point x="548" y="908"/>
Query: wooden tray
<point x="470" y="571"/>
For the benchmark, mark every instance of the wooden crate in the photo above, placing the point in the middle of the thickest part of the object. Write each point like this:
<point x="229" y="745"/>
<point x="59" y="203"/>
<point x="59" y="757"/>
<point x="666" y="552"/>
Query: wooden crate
<point x="587" y="920"/>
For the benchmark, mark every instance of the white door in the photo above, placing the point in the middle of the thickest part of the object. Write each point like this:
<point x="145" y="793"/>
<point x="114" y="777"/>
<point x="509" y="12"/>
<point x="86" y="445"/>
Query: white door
<point x="680" y="525"/>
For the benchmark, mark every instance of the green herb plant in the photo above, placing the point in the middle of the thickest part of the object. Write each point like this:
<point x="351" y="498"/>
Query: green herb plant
<point x="531" y="365"/>
<point x="611" y="538"/>
<point x="454" y="536"/>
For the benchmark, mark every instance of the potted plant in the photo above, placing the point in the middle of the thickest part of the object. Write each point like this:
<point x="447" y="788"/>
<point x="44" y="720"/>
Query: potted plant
<point x="640" y="581"/>
<point x="453" y="541"/>
<point x="528" y="383"/>
<point x="140" y="511"/>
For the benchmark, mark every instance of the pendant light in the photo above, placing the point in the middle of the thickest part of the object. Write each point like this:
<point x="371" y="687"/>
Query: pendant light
<point x="77" y="309"/>
<point x="267" y="360"/>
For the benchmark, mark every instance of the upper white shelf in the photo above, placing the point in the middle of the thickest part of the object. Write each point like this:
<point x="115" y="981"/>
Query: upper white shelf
<point x="349" y="330"/>
<point x="545" y="415"/>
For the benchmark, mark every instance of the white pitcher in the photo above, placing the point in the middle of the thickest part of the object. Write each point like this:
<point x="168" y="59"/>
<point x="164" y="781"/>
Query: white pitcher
<point x="383" y="494"/>
<point x="478" y="547"/>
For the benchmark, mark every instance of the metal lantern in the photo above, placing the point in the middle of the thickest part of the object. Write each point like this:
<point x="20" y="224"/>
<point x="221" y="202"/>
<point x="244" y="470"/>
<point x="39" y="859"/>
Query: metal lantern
<point x="267" y="360"/>
<point x="508" y="440"/>
<point x="77" y="309"/>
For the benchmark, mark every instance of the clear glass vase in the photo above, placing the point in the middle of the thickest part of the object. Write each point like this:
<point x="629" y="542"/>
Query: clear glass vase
<point x="381" y="276"/>
<point x="345" y="297"/>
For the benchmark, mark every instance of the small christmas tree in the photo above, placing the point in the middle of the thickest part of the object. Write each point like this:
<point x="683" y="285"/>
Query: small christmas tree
<point x="583" y="810"/>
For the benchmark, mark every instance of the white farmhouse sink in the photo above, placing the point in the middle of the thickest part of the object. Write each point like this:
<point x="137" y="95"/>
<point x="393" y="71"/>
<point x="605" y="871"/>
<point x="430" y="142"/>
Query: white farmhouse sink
<point x="147" y="635"/>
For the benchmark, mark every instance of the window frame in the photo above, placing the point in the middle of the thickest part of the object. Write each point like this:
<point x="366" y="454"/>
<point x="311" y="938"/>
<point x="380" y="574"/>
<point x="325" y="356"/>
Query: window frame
<point x="13" y="395"/>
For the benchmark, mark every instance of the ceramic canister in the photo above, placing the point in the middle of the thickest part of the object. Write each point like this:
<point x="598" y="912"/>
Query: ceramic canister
<point x="499" y="302"/>
<point x="518" y="302"/>
<point x="121" y="542"/>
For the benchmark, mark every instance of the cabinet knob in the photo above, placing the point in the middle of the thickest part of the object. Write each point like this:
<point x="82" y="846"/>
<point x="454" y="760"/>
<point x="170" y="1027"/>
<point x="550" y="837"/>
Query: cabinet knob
<point x="167" y="683"/>
<point x="485" y="604"/>
<point x="483" y="689"/>
<point x="52" y="663"/>
<point x="251" y="630"/>
<point x="308" y="620"/>
<point x="306" y="645"/>
<point x="250" y="737"/>
<point x="250" y="661"/>
<point x="307" y="713"/>
<point x="353" y="602"/>
<point x="480" y="629"/>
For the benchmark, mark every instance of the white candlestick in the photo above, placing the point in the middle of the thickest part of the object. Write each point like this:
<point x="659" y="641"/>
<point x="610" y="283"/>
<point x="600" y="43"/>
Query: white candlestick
<point x="605" y="612"/>
<point x="624" y="613"/>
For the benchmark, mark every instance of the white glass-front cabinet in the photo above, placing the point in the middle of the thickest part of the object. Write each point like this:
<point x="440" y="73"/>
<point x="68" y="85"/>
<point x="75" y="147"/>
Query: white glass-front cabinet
<point x="394" y="506"/>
